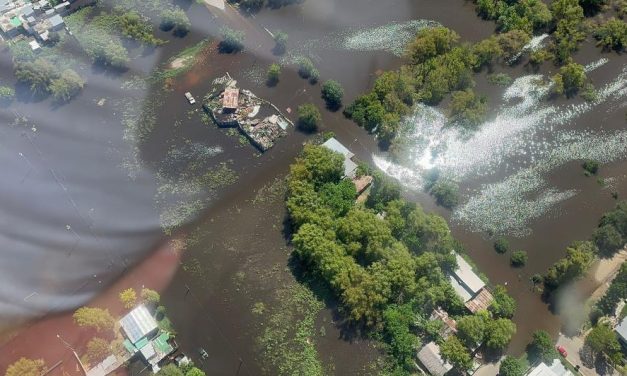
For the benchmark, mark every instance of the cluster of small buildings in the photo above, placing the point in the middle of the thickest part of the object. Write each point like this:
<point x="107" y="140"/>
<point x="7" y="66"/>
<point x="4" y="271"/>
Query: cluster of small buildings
<point x="475" y="295"/>
<point x="258" y="120"/>
<point x="34" y="19"/>
<point x="142" y="337"/>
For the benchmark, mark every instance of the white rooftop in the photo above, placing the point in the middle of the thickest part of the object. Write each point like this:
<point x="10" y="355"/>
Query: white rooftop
<point x="556" y="369"/>
<point x="459" y="289"/>
<point x="467" y="276"/>
<point x="138" y="323"/>
<point x="335" y="145"/>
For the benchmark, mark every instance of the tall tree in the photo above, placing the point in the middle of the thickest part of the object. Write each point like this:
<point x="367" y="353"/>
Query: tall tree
<point x="454" y="352"/>
<point x="26" y="367"/>
<point x="94" y="317"/>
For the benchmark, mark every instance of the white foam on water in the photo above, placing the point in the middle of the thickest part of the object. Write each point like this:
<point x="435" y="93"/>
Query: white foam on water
<point x="525" y="140"/>
<point x="534" y="44"/>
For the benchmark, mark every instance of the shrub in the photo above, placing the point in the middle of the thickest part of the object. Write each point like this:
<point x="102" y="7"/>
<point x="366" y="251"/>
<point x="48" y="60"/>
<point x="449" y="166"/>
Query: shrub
<point x="308" y="117"/>
<point x="175" y="19"/>
<point x="128" y="297"/>
<point x="501" y="245"/>
<point x="569" y="80"/>
<point x="314" y="75"/>
<point x="591" y="166"/>
<point x="280" y="40"/>
<point x="273" y="74"/>
<point x="67" y="86"/>
<point x="612" y="35"/>
<point x="519" y="258"/>
<point x="502" y="79"/>
<point x="332" y="93"/>
<point x="232" y="40"/>
<point x="608" y="239"/>
<point x="6" y="94"/>
<point x="512" y="366"/>
<point x="467" y="108"/>
<point x="446" y="193"/>
<point x="305" y="67"/>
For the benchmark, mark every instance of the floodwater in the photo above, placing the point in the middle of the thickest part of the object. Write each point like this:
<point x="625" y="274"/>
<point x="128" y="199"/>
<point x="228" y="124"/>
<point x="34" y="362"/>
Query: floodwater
<point x="241" y="255"/>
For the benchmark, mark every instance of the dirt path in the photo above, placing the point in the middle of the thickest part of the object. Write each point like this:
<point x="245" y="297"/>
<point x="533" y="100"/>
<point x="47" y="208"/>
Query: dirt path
<point x="604" y="272"/>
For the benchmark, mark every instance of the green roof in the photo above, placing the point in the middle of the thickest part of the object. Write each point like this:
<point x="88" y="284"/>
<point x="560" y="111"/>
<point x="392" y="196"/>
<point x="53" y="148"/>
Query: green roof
<point x="129" y="346"/>
<point x="141" y="343"/>
<point x="15" y="21"/>
<point x="161" y="343"/>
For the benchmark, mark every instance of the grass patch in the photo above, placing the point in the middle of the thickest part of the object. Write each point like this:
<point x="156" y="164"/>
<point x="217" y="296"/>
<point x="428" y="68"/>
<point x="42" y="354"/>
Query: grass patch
<point x="288" y="340"/>
<point x="187" y="58"/>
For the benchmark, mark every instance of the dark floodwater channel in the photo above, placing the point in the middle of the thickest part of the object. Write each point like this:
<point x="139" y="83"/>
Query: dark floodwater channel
<point x="242" y="255"/>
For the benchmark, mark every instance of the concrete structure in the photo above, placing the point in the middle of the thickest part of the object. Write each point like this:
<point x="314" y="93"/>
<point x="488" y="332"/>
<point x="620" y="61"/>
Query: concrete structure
<point x="429" y="356"/>
<point x="555" y="369"/>
<point x="230" y="101"/>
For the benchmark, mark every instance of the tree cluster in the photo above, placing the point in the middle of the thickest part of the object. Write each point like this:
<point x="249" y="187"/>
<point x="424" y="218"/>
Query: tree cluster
<point x="570" y="79"/>
<point x="232" y="40"/>
<point x="611" y="235"/>
<point x="612" y="35"/>
<point x="176" y="20"/>
<point x="524" y="15"/>
<point x="438" y="65"/>
<point x="385" y="271"/>
<point x="617" y="291"/>
<point x="44" y="78"/>
<point x="579" y="256"/>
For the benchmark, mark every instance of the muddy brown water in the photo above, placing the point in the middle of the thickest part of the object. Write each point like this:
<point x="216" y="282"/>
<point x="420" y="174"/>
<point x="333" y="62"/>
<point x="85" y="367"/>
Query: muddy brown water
<point x="248" y="238"/>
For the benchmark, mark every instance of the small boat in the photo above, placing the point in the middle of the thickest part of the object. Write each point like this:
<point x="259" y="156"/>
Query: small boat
<point x="203" y="353"/>
<point x="190" y="98"/>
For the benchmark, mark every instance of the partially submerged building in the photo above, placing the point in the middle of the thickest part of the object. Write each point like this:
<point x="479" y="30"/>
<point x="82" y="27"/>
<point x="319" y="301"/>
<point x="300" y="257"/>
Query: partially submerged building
<point x="469" y="287"/>
<point x="450" y="325"/>
<point x="258" y="120"/>
<point x="350" y="167"/>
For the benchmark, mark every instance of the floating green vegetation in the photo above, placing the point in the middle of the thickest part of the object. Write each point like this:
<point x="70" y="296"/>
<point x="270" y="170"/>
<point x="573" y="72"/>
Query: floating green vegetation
<point x="271" y="192"/>
<point x="502" y="79"/>
<point x="288" y="341"/>
<point x="182" y="62"/>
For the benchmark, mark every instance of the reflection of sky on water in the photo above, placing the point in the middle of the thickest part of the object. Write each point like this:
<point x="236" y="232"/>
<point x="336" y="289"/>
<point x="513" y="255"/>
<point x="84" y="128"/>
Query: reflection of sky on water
<point x="526" y="139"/>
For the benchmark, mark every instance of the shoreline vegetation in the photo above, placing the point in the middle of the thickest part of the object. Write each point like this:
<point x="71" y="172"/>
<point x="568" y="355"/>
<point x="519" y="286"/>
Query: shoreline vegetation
<point x="385" y="263"/>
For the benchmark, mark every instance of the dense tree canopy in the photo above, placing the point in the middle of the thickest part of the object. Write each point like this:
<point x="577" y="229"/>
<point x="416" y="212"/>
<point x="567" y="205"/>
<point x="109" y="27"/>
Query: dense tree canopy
<point x="97" y="350"/>
<point x="97" y="318"/>
<point x="579" y="256"/>
<point x="384" y="270"/>
<point x="541" y="347"/>
<point x="617" y="291"/>
<point x="309" y="117"/>
<point x="612" y="35"/>
<point x="332" y="93"/>
<point x="569" y="80"/>
<point x="26" y="367"/>
<point x="498" y="333"/>
<point x="512" y="366"/>
<point x="468" y="108"/>
<point x="503" y="305"/>
<point x="602" y="340"/>
<point x="453" y="351"/>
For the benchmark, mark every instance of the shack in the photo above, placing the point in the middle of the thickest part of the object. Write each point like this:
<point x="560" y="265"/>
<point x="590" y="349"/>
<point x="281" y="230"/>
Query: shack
<point x="258" y="120"/>
<point x="429" y="356"/>
<point x="470" y="288"/>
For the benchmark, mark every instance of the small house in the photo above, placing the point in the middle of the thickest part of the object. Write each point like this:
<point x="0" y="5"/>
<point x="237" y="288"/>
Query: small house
<point x="429" y="356"/>
<point x="350" y="167"/>
<point x="469" y="287"/>
<point x="230" y="101"/>
<point x="555" y="369"/>
<point x="56" y="22"/>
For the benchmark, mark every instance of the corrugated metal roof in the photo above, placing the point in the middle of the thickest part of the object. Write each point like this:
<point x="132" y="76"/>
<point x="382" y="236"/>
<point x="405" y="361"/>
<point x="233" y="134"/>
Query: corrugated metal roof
<point x="480" y="302"/>
<point x="556" y="369"/>
<point x="336" y="146"/>
<point x="430" y="357"/>
<point x="231" y="98"/>
<point x="138" y="323"/>
<point x="463" y="293"/>
<point x="467" y="276"/>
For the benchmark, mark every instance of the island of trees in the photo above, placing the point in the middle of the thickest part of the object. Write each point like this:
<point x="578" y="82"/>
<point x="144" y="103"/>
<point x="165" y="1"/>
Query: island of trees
<point x="385" y="263"/>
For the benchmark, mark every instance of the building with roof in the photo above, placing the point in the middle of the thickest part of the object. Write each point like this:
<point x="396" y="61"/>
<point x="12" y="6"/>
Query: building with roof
<point x="450" y="325"/>
<point x="621" y="332"/>
<point x="555" y="369"/>
<point x="138" y="324"/>
<point x="230" y="101"/>
<point x="350" y="167"/>
<point x="429" y="356"/>
<point x="56" y="22"/>
<point x="469" y="287"/>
